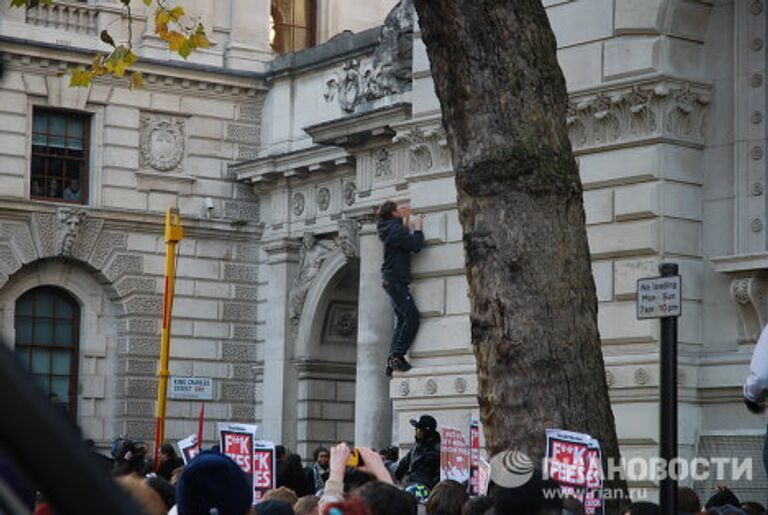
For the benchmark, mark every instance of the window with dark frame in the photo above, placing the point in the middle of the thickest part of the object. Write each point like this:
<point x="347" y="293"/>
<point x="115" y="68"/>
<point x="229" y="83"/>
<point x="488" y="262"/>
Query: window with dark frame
<point x="292" y="25"/>
<point x="59" y="166"/>
<point x="47" y="322"/>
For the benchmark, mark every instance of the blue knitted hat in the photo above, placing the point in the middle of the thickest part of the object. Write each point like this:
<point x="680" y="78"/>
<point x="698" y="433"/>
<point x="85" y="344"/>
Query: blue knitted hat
<point x="213" y="484"/>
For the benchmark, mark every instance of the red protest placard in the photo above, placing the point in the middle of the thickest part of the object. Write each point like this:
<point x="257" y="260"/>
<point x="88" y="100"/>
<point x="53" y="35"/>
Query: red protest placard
<point x="237" y="441"/>
<point x="454" y="455"/>
<point x="189" y="448"/>
<point x="574" y="461"/>
<point x="474" y="458"/>
<point x="263" y="470"/>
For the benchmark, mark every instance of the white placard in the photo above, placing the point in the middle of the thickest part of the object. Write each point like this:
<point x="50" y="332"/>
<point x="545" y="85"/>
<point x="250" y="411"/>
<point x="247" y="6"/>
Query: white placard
<point x="659" y="297"/>
<point x="196" y="388"/>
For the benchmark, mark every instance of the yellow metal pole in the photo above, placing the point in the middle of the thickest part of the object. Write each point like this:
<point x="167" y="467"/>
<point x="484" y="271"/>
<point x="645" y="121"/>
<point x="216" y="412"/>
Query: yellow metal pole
<point x="173" y="235"/>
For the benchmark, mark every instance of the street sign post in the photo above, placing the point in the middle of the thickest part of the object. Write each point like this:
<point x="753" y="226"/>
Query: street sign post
<point x="662" y="297"/>
<point x="191" y="388"/>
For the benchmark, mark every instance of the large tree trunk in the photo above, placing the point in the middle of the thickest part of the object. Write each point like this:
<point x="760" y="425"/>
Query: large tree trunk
<point x="533" y="302"/>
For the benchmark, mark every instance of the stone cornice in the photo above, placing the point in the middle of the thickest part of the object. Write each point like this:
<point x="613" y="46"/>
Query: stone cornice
<point x="21" y="210"/>
<point x="300" y="163"/>
<point x="629" y="114"/>
<point x="308" y="368"/>
<point x="354" y="130"/>
<point x="168" y="77"/>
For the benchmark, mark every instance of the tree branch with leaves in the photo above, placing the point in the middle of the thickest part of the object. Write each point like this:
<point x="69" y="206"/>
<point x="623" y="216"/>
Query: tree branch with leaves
<point x="183" y="34"/>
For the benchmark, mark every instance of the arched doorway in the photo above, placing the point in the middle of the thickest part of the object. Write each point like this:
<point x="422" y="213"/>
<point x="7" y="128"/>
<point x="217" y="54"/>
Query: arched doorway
<point x="47" y="342"/>
<point x="326" y="357"/>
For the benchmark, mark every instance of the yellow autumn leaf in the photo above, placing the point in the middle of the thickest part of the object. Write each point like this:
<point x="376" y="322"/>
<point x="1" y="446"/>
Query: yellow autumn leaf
<point x="199" y="41"/>
<point x="137" y="80"/>
<point x="80" y="78"/>
<point x="185" y="49"/>
<point x="175" y="39"/>
<point x="130" y="58"/>
<point x="97" y="66"/>
<point x="162" y="18"/>
<point x="176" y="13"/>
<point x="147" y="2"/>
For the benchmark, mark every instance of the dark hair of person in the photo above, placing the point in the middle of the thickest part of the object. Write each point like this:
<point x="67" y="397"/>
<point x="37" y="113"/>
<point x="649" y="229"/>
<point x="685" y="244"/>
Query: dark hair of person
<point x="753" y="508"/>
<point x="355" y="478"/>
<point x="447" y="498"/>
<point x="291" y="474"/>
<point x="687" y="500"/>
<point x="386" y="211"/>
<point x="644" y="508"/>
<point x="168" y="450"/>
<point x="477" y="505"/>
<point x="573" y="505"/>
<point x="320" y="449"/>
<point x="385" y="499"/>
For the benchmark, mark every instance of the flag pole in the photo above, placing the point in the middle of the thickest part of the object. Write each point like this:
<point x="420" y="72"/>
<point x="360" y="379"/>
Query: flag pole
<point x="173" y="235"/>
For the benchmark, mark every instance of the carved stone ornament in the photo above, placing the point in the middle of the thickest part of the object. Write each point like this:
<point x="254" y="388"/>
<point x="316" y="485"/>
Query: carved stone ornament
<point x="405" y="388"/>
<point x="340" y="323"/>
<point x="298" y="204"/>
<point x="382" y="164"/>
<point x="69" y="222"/>
<point x="756" y="7"/>
<point x="757" y="189"/>
<point x="323" y="199"/>
<point x="430" y="387"/>
<point x="756" y="152"/>
<point x="389" y="74"/>
<point x="345" y="324"/>
<point x="348" y="239"/>
<point x="757" y="80"/>
<point x="756" y="225"/>
<point x="675" y="111"/>
<point x="749" y="295"/>
<point x="349" y="193"/>
<point x="460" y="384"/>
<point x="428" y="148"/>
<point x="757" y="44"/>
<point x="312" y="255"/>
<point x="757" y="117"/>
<point x="641" y="376"/>
<point x="161" y="142"/>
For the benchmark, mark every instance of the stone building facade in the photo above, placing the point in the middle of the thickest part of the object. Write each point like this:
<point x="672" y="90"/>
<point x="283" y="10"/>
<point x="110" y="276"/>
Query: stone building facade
<point x="279" y="293"/>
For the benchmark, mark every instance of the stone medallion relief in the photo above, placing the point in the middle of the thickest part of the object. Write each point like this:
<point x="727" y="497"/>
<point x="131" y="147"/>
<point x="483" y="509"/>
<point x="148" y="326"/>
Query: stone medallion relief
<point x="161" y="142"/>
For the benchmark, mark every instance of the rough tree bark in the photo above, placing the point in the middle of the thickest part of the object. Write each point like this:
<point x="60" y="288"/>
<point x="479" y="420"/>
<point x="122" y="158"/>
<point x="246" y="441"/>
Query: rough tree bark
<point x="533" y="301"/>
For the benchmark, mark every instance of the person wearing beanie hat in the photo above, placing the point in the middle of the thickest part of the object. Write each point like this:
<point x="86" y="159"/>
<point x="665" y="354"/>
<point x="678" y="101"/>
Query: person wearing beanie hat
<point x="213" y="484"/>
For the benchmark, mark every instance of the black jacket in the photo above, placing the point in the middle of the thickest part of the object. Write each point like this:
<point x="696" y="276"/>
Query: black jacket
<point x="398" y="245"/>
<point x="422" y="463"/>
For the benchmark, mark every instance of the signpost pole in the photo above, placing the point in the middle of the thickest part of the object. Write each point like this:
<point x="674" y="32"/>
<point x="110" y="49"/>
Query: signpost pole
<point x="668" y="415"/>
<point x="173" y="235"/>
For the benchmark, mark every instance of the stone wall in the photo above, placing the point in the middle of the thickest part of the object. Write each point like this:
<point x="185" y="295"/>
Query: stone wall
<point x="116" y="240"/>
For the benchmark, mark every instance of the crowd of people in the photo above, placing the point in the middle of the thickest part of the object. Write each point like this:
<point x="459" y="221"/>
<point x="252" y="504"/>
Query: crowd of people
<point x="351" y="481"/>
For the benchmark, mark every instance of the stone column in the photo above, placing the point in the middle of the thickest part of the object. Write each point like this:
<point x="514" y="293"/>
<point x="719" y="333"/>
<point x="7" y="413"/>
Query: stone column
<point x="279" y="385"/>
<point x="373" y="407"/>
<point x="248" y="46"/>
